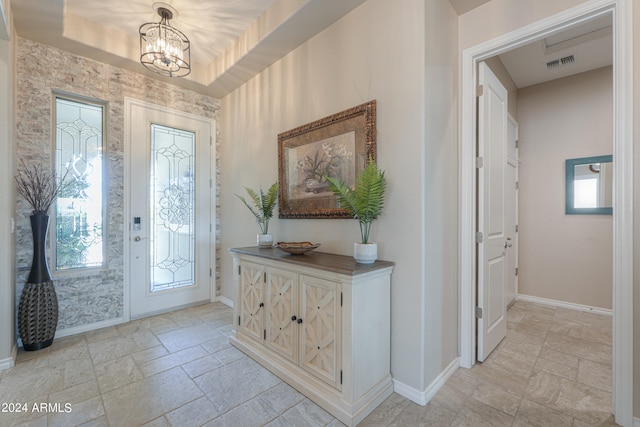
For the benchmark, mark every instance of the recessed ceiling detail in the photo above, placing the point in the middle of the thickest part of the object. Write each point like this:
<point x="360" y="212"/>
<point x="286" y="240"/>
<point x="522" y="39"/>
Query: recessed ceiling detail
<point x="231" y="41"/>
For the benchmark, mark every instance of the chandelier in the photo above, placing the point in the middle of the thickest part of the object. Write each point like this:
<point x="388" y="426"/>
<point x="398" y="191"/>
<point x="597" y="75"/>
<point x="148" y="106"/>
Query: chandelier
<point x="164" y="49"/>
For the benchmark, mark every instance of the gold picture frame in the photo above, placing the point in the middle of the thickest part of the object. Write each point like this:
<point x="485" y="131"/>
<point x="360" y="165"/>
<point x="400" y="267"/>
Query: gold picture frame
<point x="338" y="146"/>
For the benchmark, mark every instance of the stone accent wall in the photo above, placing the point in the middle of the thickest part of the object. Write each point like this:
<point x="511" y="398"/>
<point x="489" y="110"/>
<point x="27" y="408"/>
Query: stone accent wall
<point x="95" y="295"/>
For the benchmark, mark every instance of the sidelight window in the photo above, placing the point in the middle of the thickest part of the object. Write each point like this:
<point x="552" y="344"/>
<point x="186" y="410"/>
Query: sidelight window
<point x="79" y="210"/>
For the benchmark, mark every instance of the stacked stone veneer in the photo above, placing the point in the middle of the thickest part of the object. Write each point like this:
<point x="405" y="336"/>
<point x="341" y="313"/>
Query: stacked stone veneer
<point x="95" y="295"/>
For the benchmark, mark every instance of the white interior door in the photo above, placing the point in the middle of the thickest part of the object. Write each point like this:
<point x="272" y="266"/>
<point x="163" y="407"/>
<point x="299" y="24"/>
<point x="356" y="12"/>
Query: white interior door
<point x="170" y="209"/>
<point x="492" y="245"/>
<point x="511" y="210"/>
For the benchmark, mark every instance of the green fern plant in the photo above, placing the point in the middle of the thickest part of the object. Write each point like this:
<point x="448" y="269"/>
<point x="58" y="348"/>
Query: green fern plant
<point x="263" y="205"/>
<point x="365" y="200"/>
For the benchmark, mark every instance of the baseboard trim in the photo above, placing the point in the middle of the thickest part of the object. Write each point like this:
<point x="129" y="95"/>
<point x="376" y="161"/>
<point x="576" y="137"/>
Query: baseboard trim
<point x="119" y="320"/>
<point x="423" y="397"/>
<point x="88" y="327"/>
<point x="636" y="422"/>
<point x="562" y="304"/>
<point x="226" y="301"/>
<point x="9" y="362"/>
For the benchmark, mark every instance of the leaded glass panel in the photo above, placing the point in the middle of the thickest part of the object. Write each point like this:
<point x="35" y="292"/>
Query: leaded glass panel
<point x="172" y="191"/>
<point x="79" y="209"/>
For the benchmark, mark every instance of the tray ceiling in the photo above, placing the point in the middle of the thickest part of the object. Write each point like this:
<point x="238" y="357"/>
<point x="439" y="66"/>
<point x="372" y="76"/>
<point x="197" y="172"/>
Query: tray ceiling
<point x="231" y="41"/>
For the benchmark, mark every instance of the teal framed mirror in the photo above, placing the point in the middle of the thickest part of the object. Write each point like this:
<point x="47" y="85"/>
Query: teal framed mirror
<point x="589" y="186"/>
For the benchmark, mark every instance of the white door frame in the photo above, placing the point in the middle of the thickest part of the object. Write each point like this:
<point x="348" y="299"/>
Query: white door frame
<point x="623" y="184"/>
<point x="512" y="121"/>
<point x="129" y="103"/>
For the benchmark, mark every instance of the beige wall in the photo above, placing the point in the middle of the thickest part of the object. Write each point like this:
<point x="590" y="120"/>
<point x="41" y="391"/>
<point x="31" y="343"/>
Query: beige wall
<point x="498" y="17"/>
<point x="636" y="210"/>
<point x="440" y="168"/>
<point x="563" y="257"/>
<point x="7" y="213"/>
<point x="375" y="52"/>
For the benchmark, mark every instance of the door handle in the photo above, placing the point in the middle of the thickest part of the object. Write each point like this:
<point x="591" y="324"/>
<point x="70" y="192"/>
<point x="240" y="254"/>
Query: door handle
<point x="508" y="243"/>
<point x="138" y="238"/>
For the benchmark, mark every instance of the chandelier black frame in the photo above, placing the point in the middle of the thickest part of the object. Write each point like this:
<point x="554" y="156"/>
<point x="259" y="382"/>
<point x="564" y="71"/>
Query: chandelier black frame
<point x="163" y="48"/>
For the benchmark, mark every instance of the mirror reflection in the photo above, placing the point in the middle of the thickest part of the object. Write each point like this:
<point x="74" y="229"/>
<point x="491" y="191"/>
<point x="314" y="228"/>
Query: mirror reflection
<point x="589" y="185"/>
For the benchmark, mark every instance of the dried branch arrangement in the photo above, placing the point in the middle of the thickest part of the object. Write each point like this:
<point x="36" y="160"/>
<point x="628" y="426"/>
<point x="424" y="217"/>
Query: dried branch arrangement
<point x="39" y="187"/>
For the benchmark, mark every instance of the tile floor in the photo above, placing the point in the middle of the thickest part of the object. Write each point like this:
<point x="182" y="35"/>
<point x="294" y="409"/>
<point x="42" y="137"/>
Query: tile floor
<point x="178" y="369"/>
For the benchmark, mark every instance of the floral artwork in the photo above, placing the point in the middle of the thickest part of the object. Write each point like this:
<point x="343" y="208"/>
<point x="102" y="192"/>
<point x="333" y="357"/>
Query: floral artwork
<point x="336" y="146"/>
<point x="313" y="163"/>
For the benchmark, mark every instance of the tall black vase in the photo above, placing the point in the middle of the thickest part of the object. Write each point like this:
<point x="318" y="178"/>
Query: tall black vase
<point x="38" y="308"/>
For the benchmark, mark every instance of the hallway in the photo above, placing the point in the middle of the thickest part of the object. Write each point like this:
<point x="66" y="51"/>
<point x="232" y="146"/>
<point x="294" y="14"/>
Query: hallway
<point x="178" y="369"/>
<point x="553" y="369"/>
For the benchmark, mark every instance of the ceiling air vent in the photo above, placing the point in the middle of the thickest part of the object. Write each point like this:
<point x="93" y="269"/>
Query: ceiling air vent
<point x="556" y="63"/>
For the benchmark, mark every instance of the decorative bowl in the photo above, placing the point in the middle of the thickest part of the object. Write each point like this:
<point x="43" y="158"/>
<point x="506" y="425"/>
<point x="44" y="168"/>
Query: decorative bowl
<point x="297" y="248"/>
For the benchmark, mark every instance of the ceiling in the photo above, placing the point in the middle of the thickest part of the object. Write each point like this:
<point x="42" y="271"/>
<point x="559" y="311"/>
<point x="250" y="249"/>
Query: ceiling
<point x="578" y="49"/>
<point x="211" y="26"/>
<point x="463" y="6"/>
<point x="233" y="40"/>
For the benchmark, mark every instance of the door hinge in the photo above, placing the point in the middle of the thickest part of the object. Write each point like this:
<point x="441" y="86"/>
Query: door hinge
<point x="264" y="334"/>
<point x="516" y="228"/>
<point x="210" y="273"/>
<point x="341" y="298"/>
<point x="517" y="185"/>
<point x="480" y="90"/>
<point x="479" y="162"/>
<point x="238" y="320"/>
<point x="516" y="271"/>
<point x="479" y="237"/>
<point x="265" y="277"/>
<point x="479" y="312"/>
<point x="239" y="270"/>
<point x="340" y="376"/>
<point x="517" y="143"/>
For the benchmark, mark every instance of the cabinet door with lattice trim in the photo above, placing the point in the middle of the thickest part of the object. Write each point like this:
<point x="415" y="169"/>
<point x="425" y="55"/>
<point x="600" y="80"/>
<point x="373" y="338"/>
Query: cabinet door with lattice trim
<point x="252" y="301"/>
<point x="281" y="313"/>
<point x="320" y="341"/>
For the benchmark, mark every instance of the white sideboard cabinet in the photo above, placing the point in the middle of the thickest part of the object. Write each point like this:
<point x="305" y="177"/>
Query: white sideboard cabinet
<point x="320" y="322"/>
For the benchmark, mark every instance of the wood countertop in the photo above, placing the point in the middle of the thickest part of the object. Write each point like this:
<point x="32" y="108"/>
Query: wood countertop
<point x="321" y="260"/>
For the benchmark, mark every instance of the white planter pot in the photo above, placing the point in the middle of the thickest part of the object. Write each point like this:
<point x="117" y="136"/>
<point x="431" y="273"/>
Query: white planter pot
<point x="265" y="240"/>
<point x="365" y="253"/>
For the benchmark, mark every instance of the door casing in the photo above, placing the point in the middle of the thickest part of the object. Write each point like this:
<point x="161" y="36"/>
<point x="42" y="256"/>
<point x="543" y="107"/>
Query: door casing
<point x="129" y="104"/>
<point x="623" y="183"/>
<point x="512" y="208"/>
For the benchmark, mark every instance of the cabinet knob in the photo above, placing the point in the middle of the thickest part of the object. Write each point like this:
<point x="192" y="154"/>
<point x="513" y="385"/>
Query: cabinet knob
<point x="261" y="304"/>
<point x="293" y="318"/>
<point x="299" y="320"/>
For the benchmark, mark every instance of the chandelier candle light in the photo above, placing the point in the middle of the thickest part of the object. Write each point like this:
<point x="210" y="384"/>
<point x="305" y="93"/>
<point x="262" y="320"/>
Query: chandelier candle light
<point x="163" y="48"/>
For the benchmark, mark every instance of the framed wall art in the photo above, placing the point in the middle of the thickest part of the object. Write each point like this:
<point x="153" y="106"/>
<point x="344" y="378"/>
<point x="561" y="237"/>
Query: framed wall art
<point x="335" y="146"/>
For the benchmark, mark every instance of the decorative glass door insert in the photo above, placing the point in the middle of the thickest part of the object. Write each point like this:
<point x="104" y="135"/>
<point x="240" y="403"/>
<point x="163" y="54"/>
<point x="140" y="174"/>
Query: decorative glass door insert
<point x="172" y="208"/>
<point x="79" y="208"/>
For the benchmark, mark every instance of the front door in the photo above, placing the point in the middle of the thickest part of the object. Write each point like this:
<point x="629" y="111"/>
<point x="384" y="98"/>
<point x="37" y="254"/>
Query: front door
<point x="492" y="224"/>
<point x="170" y="214"/>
